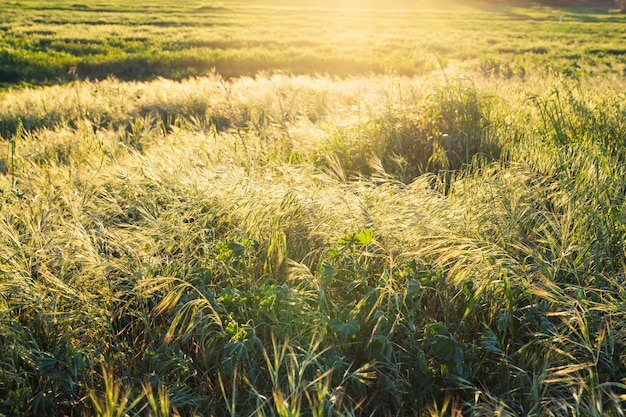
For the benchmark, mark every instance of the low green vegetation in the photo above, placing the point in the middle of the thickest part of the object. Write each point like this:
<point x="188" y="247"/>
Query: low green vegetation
<point x="58" y="41"/>
<point x="446" y="240"/>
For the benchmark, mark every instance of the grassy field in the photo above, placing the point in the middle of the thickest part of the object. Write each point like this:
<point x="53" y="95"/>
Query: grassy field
<point x="56" y="41"/>
<point x="311" y="210"/>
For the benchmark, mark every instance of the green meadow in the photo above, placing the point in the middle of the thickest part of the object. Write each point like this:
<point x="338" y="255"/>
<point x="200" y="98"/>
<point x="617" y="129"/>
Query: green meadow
<point x="41" y="41"/>
<point x="312" y="209"/>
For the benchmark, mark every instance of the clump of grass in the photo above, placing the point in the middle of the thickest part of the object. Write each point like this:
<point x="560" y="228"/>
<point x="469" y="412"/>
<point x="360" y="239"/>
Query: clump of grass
<point x="444" y="130"/>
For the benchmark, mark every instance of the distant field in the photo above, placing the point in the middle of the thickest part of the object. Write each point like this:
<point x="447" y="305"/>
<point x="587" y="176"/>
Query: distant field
<point x="42" y="40"/>
<point x="309" y="209"/>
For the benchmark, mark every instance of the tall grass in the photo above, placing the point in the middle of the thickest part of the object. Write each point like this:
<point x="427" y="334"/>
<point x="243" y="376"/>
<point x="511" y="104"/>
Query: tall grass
<point x="307" y="245"/>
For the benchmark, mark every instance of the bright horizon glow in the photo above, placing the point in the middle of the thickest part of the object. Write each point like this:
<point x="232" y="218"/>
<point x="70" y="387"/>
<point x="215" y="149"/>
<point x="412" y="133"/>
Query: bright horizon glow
<point x="355" y="4"/>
